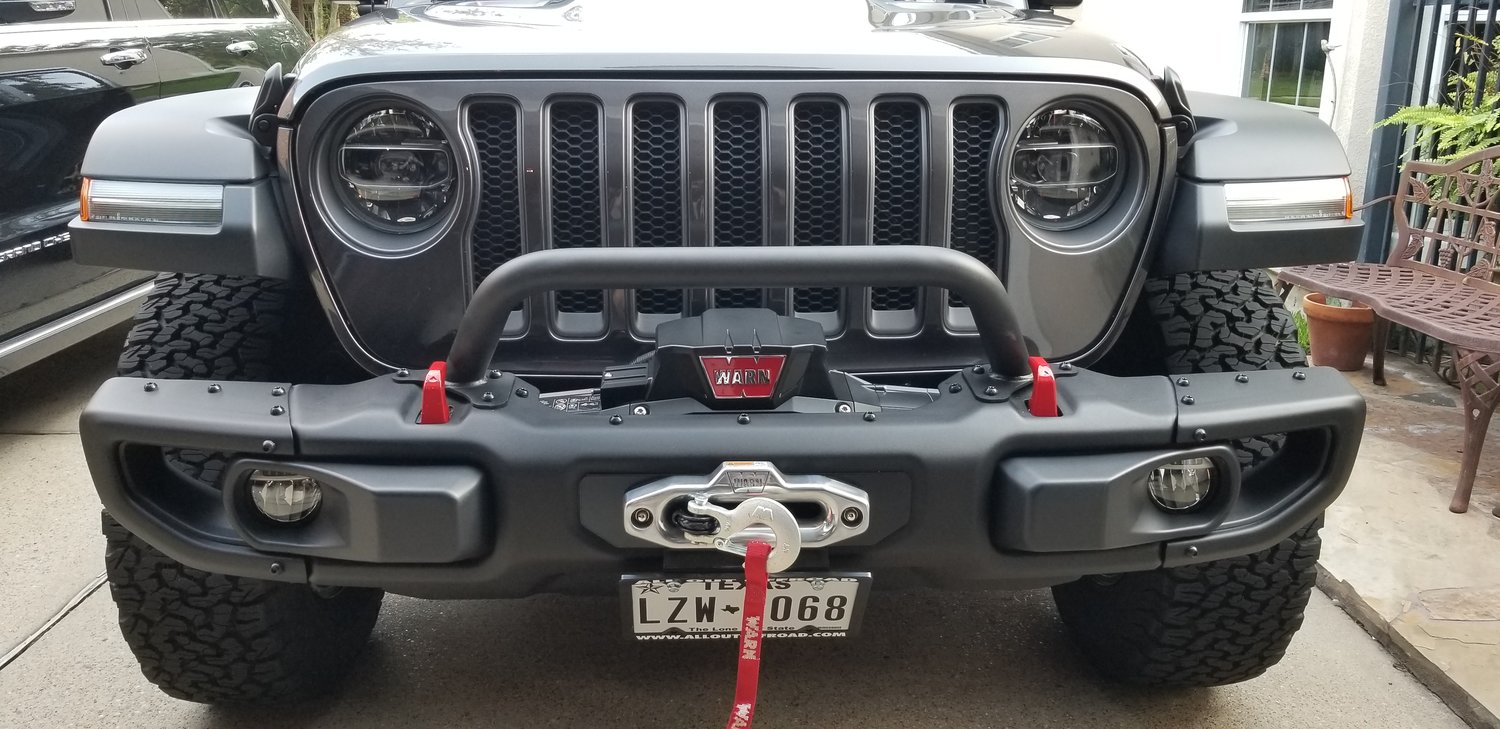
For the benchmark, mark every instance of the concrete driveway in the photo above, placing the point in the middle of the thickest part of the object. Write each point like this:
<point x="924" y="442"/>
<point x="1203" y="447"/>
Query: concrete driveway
<point x="924" y="660"/>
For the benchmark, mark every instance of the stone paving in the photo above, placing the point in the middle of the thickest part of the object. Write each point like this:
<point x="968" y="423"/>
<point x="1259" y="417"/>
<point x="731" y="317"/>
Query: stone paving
<point x="1423" y="580"/>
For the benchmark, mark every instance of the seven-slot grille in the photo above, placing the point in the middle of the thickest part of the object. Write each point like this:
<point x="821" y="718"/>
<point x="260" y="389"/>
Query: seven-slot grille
<point x="713" y="173"/>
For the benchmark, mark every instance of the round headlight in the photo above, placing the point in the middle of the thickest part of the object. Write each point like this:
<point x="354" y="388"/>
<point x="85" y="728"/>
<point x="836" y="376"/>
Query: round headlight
<point x="395" y="169"/>
<point x="1066" y="168"/>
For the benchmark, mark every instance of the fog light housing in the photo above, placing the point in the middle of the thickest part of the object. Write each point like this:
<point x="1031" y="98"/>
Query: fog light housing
<point x="284" y="497"/>
<point x="1182" y="485"/>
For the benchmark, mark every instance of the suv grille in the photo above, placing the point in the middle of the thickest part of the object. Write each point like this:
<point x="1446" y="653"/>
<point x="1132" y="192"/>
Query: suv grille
<point x="734" y="169"/>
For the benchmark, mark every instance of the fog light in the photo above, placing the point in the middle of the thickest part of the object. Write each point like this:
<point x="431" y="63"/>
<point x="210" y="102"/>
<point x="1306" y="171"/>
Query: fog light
<point x="284" y="497"/>
<point x="1183" y="485"/>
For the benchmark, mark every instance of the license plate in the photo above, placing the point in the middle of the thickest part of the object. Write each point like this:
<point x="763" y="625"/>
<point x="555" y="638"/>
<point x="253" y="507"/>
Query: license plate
<point x="706" y="608"/>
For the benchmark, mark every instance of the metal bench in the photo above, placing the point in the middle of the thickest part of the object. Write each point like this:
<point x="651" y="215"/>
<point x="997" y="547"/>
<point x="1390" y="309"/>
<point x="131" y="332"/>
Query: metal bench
<point x="1438" y="280"/>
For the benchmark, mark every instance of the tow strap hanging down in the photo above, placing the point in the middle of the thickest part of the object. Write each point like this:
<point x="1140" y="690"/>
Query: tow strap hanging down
<point x="751" y="630"/>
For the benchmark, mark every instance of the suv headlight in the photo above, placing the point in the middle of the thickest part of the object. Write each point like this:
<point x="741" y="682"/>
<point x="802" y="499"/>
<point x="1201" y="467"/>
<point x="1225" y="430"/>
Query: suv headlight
<point x="1066" y="168"/>
<point x="395" y="169"/>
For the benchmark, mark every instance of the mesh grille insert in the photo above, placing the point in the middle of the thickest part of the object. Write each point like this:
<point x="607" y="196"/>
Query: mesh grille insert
<point x="818" y="195"/>
<point x="900" y="163"/>
<point x="738" y="188"/>
<point x="497" y="229"/>
<point x="972" y="229"/>
<point x="575" y="187"/>
<point x="656" y="192"/>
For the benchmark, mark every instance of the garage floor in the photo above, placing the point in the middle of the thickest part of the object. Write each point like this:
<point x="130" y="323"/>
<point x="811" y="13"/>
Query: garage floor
<point x="924" y="659"/>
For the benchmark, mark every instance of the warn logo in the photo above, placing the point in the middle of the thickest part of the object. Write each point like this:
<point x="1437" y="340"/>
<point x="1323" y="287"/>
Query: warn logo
<point x="734" y="378"/>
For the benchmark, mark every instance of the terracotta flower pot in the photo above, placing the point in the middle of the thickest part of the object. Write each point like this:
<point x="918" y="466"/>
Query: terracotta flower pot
<point x="1339" y="335"/>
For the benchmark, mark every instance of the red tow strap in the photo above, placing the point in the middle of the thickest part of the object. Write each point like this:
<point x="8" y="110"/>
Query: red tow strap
<point x="748" y="683"/>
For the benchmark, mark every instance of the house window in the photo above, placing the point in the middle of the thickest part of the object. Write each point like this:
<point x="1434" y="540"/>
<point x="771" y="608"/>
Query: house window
<point x="1284" y="58"/>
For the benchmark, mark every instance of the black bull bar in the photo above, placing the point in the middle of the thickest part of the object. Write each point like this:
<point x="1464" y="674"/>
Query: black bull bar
<point x="513" y="498"/>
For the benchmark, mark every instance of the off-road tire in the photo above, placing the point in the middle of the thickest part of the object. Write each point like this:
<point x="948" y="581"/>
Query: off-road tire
<point x="235" y="329"/>
<point x="216" y="638"/>
<point x="1214" y="321"/>
<point x="1223" y="621"/>
<point x="1203" y="625"/>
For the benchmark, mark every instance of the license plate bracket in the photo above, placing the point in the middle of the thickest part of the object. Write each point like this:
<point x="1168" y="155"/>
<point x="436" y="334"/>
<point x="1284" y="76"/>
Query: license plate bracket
<point x="708" y="606"/>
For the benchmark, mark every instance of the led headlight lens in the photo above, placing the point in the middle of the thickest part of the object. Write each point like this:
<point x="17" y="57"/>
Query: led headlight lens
<point x="396" y="169"/>
<point x="1066" y="168"/>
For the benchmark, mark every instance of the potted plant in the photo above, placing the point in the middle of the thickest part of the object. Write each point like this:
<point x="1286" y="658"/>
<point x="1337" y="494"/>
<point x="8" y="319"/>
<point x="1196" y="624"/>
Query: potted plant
<point x="1338" y="331"/>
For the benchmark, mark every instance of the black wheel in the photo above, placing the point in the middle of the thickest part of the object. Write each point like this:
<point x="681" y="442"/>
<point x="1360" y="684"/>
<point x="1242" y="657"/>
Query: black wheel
<point x="1223" y="621"/>
<point x="216" y="638"/>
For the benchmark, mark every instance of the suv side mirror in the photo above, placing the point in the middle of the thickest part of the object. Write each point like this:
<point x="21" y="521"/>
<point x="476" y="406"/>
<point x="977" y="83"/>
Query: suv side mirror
<point x="29" y="11"/>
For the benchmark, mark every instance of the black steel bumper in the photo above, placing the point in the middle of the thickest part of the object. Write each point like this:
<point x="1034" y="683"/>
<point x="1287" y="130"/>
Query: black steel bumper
<point x="513" y="498"/>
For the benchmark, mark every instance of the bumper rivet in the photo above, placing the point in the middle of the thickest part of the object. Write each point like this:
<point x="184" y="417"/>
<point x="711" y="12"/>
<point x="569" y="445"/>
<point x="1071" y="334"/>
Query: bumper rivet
<point x="743" y="419"/>
<point x="640" y="518"/>
<point x="1200" y="435"/>
<point x="487" y="397"/>
<point x="403" y="372"/>
<point x="278" y="410"/>
<point x="955" y="387"/>
<point x="150" y="387"/>
<point x="278" y="391"/>
<point x="991" y="391"/>
<point x="523" y="392"/>
<point x="1242" y="379"/>
<point x="268" y="445"/>
<point x="1065" y="366"/>
<point x="494" y="374"/>
<point x="276" y="568"/>
<point x="843" y="407"/>
<point x="851" y="517"/>
<point x="615" y="420"/>
<point x="1187" y="400"/>
<point x="1192" y="551"/>
<point x="214" y="389"/>
<point x="1299" y="375"/>
<point x="1182" y="382"/>
<point x="869" y="417"/>
<point x="978" y="369"/>
<point x="640" y="410"/>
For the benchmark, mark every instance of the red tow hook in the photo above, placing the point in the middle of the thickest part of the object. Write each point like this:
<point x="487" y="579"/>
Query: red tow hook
<point x="435" y="395"/>
<point x="1043" y="389"/>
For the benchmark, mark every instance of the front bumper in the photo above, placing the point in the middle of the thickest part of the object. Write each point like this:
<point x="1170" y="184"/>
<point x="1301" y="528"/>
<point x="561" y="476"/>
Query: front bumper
<point x="513" y="498"/>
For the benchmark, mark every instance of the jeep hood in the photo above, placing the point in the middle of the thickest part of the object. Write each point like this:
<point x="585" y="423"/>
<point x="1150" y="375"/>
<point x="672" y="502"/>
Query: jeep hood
<point x="834" y="37"/>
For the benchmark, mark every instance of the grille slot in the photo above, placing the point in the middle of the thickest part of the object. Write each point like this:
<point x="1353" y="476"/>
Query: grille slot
<point x="656" y="202"/>
<point x="818" y="190"/>
<point x="739" y="187"/>
<point x="971" y="229"/>
<point x="900" y="163"/>
<point x="497" y="236"/>
<point x="575" y="191"/>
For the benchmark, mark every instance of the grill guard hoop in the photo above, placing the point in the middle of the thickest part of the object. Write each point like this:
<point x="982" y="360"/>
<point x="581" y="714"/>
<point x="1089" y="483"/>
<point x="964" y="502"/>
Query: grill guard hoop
<point x="484" y="322"/>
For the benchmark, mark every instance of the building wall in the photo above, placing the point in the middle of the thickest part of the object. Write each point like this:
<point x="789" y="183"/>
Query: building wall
<point x="1204" y="41"/>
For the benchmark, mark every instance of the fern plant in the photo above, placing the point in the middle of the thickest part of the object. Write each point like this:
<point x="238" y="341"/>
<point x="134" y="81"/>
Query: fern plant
<point x="1466" y="127"/>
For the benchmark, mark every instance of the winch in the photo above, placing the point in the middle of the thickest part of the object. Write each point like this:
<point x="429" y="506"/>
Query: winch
<point x="748" y="501"/>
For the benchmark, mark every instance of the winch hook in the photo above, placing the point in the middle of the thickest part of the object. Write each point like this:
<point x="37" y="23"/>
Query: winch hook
<point x="749" y="521"/>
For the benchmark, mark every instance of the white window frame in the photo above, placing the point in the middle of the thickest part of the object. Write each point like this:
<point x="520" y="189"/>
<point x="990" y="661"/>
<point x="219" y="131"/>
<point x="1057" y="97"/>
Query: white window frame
<point x="1326" y="101"/>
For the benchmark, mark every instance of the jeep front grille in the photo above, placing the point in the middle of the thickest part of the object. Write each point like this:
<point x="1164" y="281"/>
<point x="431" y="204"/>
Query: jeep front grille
<point x="737" y="168"/>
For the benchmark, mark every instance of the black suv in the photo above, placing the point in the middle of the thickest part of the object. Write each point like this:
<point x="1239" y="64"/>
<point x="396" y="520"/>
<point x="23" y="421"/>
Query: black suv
<point x="65" y="65"/>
